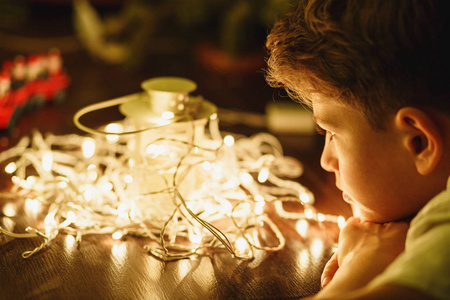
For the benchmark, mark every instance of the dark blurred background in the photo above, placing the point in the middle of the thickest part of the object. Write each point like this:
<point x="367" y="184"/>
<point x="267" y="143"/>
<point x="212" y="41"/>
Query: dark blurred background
<point x="109" y="47"/>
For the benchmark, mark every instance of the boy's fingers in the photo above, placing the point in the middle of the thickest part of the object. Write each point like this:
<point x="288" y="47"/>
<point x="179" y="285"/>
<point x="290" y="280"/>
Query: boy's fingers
<point x="330" y="269"/>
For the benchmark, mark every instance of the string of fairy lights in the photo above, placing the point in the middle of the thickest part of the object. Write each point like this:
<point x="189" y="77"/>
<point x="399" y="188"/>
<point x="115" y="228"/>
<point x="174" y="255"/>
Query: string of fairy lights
<point x="187" y="194"/>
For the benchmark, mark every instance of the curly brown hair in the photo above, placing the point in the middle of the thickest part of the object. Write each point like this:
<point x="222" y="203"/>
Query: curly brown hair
<point x="378" y="55"/>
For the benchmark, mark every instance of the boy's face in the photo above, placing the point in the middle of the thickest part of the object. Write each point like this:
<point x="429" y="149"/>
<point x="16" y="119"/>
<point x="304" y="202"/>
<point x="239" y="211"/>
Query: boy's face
<point x="373" y="169"/>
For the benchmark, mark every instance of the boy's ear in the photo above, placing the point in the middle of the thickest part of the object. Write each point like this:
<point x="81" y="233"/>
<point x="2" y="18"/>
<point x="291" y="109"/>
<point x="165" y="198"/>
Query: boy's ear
<point x="421" y="137"/>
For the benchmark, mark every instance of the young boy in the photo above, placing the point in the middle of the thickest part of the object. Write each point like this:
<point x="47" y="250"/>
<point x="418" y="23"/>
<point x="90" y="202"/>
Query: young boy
<point x="376" y="75"/>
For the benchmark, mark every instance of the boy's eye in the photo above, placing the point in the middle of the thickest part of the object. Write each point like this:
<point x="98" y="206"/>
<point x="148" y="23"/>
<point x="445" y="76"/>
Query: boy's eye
<point x="322" y="131"/>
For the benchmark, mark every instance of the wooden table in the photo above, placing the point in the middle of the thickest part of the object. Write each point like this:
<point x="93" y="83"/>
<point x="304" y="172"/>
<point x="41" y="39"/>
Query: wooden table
<point x="104" y="268"/>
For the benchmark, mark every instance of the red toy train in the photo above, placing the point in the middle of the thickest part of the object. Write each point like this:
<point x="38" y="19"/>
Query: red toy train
<point x="29" y="83"/>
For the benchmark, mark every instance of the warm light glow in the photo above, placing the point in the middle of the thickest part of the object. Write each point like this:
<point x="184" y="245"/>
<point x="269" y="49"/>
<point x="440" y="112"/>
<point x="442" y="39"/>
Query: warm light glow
<point x="113" y="128"/>
<point x="259" y="207"/>
<point x="71" y="217"/>
<point x="88" y="193"/>
<point x="128" y="178"/>
<point x="62" y="184"/>
<point x="263" y="175"/>
<point x="113" y="190"/>
<point x="241" y="246"/>
<point x="154" y="150"/>
<point x="228" y="140"/>
<point x="88" y="147"/>
<point x="341" y="222"/>
<point x="246" y="178"/>
<point x="11" y="167"/>
<point x="117" y="235"/>
<point x="206" y="166"/>
<point x="195" y="236"/>
<point x="9" y="209"/>
<point x="302" y="227"/>
<point x="320" y="217"/>
<point x="32" y="206"/>
<point x="167" y="115"/>
<point x="309" y="214"/>
<point x="317" y="248"/>
<point x="304" y="197"/>
<point x="47" y="161"/>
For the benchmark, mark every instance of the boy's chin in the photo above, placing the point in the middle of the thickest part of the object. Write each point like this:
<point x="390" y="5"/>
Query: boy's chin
<point x="356" y="211"/>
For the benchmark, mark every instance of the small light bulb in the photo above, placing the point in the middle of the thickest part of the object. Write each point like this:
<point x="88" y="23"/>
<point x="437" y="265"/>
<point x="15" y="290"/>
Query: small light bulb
<point x="228" y="140"/>
<point x="128" y="178"/>
<point x="246" y="178"/>
<point x="320" y="217"/>
<point x="71" y="217"/>
<point x="113" y="128"/>
<point x="341" y="222"/>
<point x="309" y="214"/>
<point x="88" y="147"/>
<point x="167" y="115"/>
<point x="47" y="161"/>
<point x="11" y="167"/>
<point x="259" y="207"/>
<point x="304" y="197"/>
<point x="241" y="245"/>
<point x="263" y="175"/>
<point x="206" y="166"/>
<point x="117" y="235"/>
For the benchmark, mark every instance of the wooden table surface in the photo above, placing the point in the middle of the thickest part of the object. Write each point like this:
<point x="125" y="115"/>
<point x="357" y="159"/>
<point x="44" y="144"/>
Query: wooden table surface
<point x="104" y="268"/>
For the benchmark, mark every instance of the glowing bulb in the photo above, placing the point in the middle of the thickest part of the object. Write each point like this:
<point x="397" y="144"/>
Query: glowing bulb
<point x="88" y="147"/>
<point x="113" y="128"/>
<point x="209" y="208"/>
<point x="304" y="197"/>
<point x="259" y="198"/>
<point x="341" y="222"/>
<point x="320" y="217"/>
<point x="206" y="166"/>
<point x="228" y="140"/>
<point x="9" y="209"/>
<point x="106" y="187"/>
<point x="29" y="182"/>
<point x="167" y="115"/>
<point x="155" y="150"/>
<point x="225" y="207"/>
<point x="47" y="161"/>
<point x="317" y="248"/>
<point x="263" y="175"/>
<point x="122" y="211"/>
<point x="241" y="245"/>
<point x="302" y="227"/>
<point x="309" y="214"/>
<point x="62" y="184"/>
<point x="32" y="206"/>
<point x="195" y="237"/>
<point x="259" y="207"/>
<point x="128" y="178"/>
<point x="71" y="217"/>
<point x="246" y="178"/>
<point x="11" y="167"/>
<point x="117" y="235"/>
<point x="88" y="194"/>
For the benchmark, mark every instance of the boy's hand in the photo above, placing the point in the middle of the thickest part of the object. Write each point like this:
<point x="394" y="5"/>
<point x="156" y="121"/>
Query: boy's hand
<point x="365" y="250"/>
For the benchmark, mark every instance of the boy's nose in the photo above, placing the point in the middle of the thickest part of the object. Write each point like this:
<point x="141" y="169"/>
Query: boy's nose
<point x="328" y="160"/>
